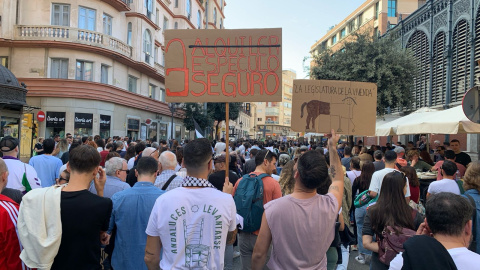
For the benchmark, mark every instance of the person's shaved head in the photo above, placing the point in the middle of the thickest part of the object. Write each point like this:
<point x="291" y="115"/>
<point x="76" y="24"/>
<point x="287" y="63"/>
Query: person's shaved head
<point x="3" y="166"/>
<point x="150" y="152"/>
<point x="3" y="174"/>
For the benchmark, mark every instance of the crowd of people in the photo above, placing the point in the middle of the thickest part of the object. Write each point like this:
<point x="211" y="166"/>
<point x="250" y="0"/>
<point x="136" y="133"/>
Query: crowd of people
<point x="94" y="203"/>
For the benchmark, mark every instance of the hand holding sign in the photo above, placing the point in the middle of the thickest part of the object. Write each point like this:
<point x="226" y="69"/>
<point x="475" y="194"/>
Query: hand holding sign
<point x="227" y="186"/>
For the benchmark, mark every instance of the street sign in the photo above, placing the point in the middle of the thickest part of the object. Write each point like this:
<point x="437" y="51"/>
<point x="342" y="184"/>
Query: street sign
<point x="41" y="116"/>
<point x="148" y="121"/>
<point x="471" y="104"/>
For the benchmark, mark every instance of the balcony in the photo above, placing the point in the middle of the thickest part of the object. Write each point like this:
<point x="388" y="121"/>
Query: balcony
<point x="272" y="112"/>
<point x="73" y="35"/>
<point x="160" y="69"/>
<point x="120" y="5"/>
<point x="271" y="122"/>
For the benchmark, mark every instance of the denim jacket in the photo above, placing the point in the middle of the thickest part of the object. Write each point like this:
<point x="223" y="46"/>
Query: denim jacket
<point x="476" y="197"/>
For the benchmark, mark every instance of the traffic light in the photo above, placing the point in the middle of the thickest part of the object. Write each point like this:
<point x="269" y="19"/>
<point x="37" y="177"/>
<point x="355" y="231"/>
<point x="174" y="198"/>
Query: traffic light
<point x="35" y="130"/>
<point x="27" y="120"/>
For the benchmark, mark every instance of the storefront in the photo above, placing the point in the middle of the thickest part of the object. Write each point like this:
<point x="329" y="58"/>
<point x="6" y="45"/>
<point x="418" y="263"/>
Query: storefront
<point x="133" y="128"/>
<point x="163" y="133"/>
<point x="83" y="124"/>
<point x="55" y="124"/>
<point x="152" y="132"/>
<point x="105" y="126"/>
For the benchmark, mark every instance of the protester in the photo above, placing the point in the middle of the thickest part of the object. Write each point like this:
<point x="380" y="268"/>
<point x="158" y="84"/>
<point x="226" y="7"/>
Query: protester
<point x="39" y="146"/>
<point x="376" y="184"/>
<point x="120" y="148"/>
<point x="400" y="151"/>
<point x="448" y="221"/>
<point x="46" y="165"/>
<point x="318" y="213"/>
<point x="265" y="161"/>
<point x="192" y="223"/>
<point x="130" y="214"/>
<point x="250" y="164"/>
<point x="168" y="179"/>
<point x="287" y="181"/>
<point x="220" y="147"/>
<point x="148" y="152"/>
<point x="448" y="183"/>
<point x="414" y="184"/>
<point x="10" y="246"/>
<point x="460" y="156"/>
<point x="347" y="157"/>
<point x="60" y="148"/>
<point x="378" y="163"/>
<point x="414" y="161"/>
<point x="64" y="178"/>
<point x="65" y="225"/>
<point x="364" y="155"/>
<point x="449" y="155"/>
<point x="217" y="179"/>
<point x="139" y="147"/>
<point x="472" y="193"/>
<point x="391" y="209"/>
<point x="66" y="155"/>
<point x="355" y="170"/>
<point x="17" y="170"/>
<point x="116" y="170"/>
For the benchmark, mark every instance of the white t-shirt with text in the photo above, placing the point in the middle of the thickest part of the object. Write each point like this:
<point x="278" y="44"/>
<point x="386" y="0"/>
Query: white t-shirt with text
<point x="463" y="258"/>
<point x="192" y="225"/>
<point x="377" y="180"/>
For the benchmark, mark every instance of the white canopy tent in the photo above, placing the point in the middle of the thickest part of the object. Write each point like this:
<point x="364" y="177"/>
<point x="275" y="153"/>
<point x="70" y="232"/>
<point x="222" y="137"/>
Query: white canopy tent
<point x="450" y="121"/>
<point x="391" y="128"/>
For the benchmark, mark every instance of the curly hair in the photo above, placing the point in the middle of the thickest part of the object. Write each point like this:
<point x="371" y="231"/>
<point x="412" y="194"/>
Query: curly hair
<point x="472" y="176"/>
<point x="287" y="181"/>
<point x="412" y="153"/>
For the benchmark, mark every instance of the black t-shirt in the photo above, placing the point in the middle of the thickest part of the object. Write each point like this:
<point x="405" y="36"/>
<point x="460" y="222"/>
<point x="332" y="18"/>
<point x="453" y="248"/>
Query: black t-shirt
<point x="463" y="158"/>
<point x="218" y="179"/>
<point x="84" y="215"/>
<point x="39" y="146"/>
<point x="14" y="194"/>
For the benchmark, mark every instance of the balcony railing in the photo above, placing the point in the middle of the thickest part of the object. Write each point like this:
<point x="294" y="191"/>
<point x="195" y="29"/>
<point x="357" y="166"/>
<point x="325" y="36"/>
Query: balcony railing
<point x="160" y="69"/>
<point x="271" y="122"/>
<point x="69" y="34"/>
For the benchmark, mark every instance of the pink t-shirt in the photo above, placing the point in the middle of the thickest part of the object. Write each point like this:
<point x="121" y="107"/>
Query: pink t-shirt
<point x="302" y="231"/>
<point x="461" y="169"/>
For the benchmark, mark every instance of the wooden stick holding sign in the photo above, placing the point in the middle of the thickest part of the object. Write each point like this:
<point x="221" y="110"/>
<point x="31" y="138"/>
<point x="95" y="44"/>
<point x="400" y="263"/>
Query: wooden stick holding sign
<point x="227" y="139"/>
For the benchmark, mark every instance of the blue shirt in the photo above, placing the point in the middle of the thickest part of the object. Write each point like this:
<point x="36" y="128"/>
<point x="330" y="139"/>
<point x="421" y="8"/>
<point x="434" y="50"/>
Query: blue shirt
<point x="476" y="197"/>
<point x="47" y="167"/>
<point x="131" y="211"/>
<point x="112" y="186"/>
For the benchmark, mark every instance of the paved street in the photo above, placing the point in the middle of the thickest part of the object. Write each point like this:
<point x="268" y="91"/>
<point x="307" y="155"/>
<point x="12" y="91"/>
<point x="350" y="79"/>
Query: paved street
<point x="352" y="264"/>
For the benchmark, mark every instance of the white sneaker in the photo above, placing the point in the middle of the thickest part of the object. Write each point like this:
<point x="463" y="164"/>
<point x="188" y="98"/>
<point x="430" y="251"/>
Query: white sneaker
<point x="360" y="259"/>
<point x="236" y="254"/>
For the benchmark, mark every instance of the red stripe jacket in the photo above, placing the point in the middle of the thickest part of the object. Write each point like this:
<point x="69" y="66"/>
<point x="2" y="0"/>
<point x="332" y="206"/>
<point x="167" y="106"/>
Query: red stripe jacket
<point x="10" y="246"/>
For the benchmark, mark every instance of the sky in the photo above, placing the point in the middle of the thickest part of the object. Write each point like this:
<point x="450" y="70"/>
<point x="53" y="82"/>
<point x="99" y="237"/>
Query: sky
<point x="303" y="22"/>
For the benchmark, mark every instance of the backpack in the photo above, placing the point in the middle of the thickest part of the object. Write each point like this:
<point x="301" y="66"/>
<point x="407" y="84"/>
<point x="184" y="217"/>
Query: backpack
<point x="249" y="201"/>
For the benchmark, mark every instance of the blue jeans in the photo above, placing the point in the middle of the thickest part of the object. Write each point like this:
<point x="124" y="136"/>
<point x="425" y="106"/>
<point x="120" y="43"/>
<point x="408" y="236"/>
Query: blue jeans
<point x="228" y="261"/>
<point x="359" y="217"/>
<point x="345" y="257"/>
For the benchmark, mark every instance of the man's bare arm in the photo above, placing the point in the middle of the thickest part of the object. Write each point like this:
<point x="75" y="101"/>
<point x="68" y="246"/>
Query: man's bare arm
<point x="335" y="170"/>
<point x="152" y="252"/>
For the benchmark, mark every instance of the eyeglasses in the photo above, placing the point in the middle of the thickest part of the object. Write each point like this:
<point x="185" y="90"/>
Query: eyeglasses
<point x="62" y="179"/>
<point x="127" y="171"/>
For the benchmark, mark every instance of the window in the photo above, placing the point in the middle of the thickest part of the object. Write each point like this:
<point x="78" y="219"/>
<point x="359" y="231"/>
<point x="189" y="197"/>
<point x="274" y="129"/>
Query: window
<point x="199" y="20"/>
<point x="104" y="74"/>
<point x="165" y="23"/>
<point x="163" y="58"/>
<point x="360" y="20"/>
<point x="157" y="17"/>
<point x="259" y="119"/>
<point x="132" y="84"/>
<point x="175" y="26"/>
<point x="107" y="24"/>
<point x="343" y="33"/>
<point x="221" y="4"/>
<point x="151" y="91"/>
<point x="392" y="8"/>
<point x="147" y="45"/>
<point x="351" y="26"/>
<point x="162" y="94"/>
<point x="59" y="68"/>
<point x="149" y="6"/>
<point x="392" y="26"/>
<point x="84" y="71"/>
<point x="4" y="61"/>
<point x="61" y="14"/>
<point x="176" y="3"/>
<point x="334" y="39"/>
<point x="189" y="9"/>
<point x="215" y="16"/>
<point x="86" y="18"/>
<point x="377" y="10"/>
<point x="129" y="34"/>
<point x="221" y="23"/>
<point x="155" y="54"/>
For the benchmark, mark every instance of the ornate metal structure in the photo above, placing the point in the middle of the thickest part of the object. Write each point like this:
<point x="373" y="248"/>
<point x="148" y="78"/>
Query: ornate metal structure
<point x="444" y="36"/>
<point x="12" y="94"/>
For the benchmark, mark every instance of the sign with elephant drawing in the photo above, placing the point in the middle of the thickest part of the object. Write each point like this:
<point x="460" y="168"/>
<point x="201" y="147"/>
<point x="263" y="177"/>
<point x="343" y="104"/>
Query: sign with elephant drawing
<point x="347" y="107"/>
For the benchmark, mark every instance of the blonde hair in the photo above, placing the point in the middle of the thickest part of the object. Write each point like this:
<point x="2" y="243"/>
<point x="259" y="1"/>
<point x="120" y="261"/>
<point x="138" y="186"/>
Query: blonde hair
<point x="287" y="181"/>
<point x="472" y="176"/>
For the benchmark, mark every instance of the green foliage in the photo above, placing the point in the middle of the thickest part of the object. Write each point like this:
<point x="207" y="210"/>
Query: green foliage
<point x="367" y="59"/>
<point x="195" y="110"/>
<point x="217" y="110"/>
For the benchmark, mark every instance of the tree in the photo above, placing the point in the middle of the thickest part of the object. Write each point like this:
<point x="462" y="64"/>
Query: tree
<point x="368" y="59"/>
<point x="195" y="111"/>
<point x="217" y="111"/>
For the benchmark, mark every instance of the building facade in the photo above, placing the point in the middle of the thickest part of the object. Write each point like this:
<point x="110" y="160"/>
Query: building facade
<point x="274" y="118"/>
<point x="376" y="16"/>
<point x="97" y="67"/>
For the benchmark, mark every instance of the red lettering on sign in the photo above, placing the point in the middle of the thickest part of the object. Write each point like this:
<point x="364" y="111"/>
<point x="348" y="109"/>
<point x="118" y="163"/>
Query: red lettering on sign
<point x="201" y="82"/>
<point x="273" y="40"/>
<point x="210" y="84"/>
<point x="257" y="81"/>
<point x="268" y="63"/>
<point x="265" y="82"/>
<point x="247" y="84"/>
<point x="233" y="93"/>
<point x="223" y="44"/>
<point x="260" y="43"/>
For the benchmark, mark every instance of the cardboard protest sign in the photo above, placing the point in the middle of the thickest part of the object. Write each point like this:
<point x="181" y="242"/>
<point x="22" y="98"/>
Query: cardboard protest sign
<point x="223" y="65"/>
<point x="347" y="107"/>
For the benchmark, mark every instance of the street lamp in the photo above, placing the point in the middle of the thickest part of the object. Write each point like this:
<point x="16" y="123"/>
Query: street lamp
<point x="241" y="128"/>
<point x="173" y="107"/>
